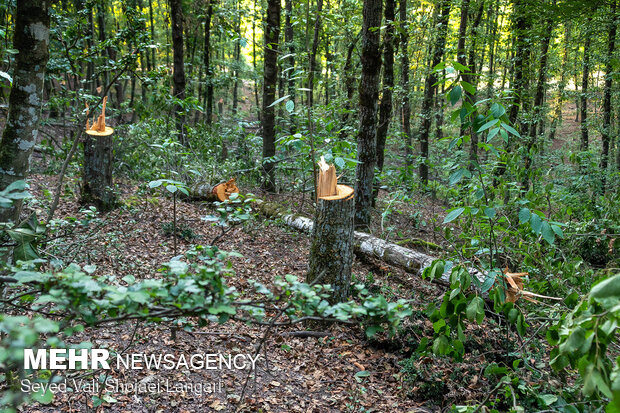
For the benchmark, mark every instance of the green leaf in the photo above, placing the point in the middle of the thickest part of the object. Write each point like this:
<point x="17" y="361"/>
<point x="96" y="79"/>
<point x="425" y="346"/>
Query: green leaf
<point x="511" y="130"/>
<point x="455" y="94"/>
<point x="441" y="345"/>
<point x="489" y="212"/>
<point x="290" y="106"/>
<point x="492" y="134"/>
<point x="475" y="309"/>
<point x="574" y="341"/>
<point x="469" y="88"/>
<point x="454" y="214"/>
<point x="488" y="125"/>
<point x="340" y="162"/>
<point x="607" y="292"/>
<point x="155" y="184"/>
<point x="497" y="110"/>
<point x="460" y="67"/>
<point x="547" y="233"/>
<point x="283" y="98"/>
<point x="548" y="399"/>
<point x="489" y="280"/>
<point x="535" y="223"/>
<point x="524" y="215"/>
<point x="6" y="76"/>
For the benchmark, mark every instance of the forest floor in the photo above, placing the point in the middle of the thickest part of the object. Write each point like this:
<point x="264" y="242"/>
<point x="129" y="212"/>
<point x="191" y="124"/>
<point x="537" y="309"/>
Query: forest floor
<point x="293" y="374"/>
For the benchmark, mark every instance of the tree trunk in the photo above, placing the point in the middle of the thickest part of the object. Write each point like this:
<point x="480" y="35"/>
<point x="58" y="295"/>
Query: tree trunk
<point x="538" y="101"/>
<point x="606" y="132"/>
<point x="207" y="64"/>
<point x="235" y="99"/>
<point x="270" y="79"/>
<point x="557" y="117"/>
<point x="404" y="83"/>
<point x="385" y="107"/>
<point x="178" y="91"/>
<point x="584" y="92"/>
<point x="153" y="61"/>
<point x="349" y="81"/>
<point x="443" y="7"/>
<point x="288" y="38"/>
<point x="31" y="39"/>
<point x="369" y="93"/>
<point x="315" y="46"/>
<point x="331" y="252"/>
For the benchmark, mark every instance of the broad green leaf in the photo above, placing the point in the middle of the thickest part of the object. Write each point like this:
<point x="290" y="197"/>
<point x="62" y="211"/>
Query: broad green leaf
<point x="524" y="215"/>
<point x="488" y="125"/>
<point x="469" y="88"/>
<point x="536" y="223"/>
<point x="511" y="130"/>
<point x="290" y="106"/>
<point x="455" y="94"/>
<point x="492" y="134"/>
<point x="497" y="110"/>
<point x="489" y="212"/>
<point x="547" y="233"/>
<point x="454" y="214"/>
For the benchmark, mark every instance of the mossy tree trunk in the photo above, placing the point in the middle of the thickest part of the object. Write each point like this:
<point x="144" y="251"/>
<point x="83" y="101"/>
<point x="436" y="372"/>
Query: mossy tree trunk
<point x="31" y="38"/>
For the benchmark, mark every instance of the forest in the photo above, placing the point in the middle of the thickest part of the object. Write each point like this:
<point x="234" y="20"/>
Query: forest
<point x="309" y="206"/>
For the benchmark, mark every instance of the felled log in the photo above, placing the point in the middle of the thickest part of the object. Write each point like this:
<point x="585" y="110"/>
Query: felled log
<point x="409" y="260"/>
<point x="219" y="192"/>
<point x="331" y="253"/>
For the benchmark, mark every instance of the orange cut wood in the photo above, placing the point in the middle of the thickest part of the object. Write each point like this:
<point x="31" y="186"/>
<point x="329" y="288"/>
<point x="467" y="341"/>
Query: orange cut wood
<point x="225" y="189"/>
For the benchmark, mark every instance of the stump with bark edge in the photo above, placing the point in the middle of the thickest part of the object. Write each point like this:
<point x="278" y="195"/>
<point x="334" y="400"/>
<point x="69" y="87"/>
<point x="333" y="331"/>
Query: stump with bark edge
<point x="331" y="253"/>
<point x="98" y="162"/>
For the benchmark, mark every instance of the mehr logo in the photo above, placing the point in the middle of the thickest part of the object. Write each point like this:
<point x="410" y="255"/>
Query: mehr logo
<point x="58" y="358"/>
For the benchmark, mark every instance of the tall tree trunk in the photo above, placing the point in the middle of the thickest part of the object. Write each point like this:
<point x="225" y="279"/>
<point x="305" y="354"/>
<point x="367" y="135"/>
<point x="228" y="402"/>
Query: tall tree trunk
<point x="473" y="80"/>
<point x="207" y="64"/>
<point x="443" y="7"/>
<point x="606" y="133"/>
<point x="349" y="80"/>
<point x="31" y="39"/>
<point x="258" y="108"/>
<point x="288" y="38"/>
<point x="584" y="92"/>
<point x="154" y="62"/>
<point x="557" y="117"/>
<point x="270" y="79"/>
<point x="315" y="47"/>
<point x="385" y="107"/>
<point x="368" y="93"/>
<point x="461" y="53"/>
<point x="520" y="59"/>
<point x="404" y="82"/>
<point x="538" y="100"/>
<point x="235" y="102"/>
<point x="493" y="40"/>
<point x="178" y="90"/>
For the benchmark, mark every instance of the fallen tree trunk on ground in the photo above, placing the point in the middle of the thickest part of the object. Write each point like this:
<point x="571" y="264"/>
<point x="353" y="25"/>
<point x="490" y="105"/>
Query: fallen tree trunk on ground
<point x="212" y="193"/>
<point x="409" y="260"/>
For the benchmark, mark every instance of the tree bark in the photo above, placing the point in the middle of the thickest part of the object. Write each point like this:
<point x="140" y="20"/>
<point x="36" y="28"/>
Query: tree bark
<point x="369" y="93"/>
<point x="207" y="64"/>
<point x="385" y="107"/>
<point x="331" y="252"/>
<point x="585" y="141"/>
<point x="538" y="101"/>
<point x="606" y="132"/>
<point x="349" y="81"/>
<point x="288" y="38"/>
<point x="270" y="79"/>
<point x="443" y="7"/>
<point x="404" y="83"/>
<point x="31" y="39"/>
<point x="315" y="46"/>
<point x="178" y="91"/>
<point x="97" y="181"/>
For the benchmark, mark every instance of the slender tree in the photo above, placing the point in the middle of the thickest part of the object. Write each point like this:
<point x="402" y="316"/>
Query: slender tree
<point x="270" y="79"/>
<point x="369" y="93"/>
<point x="404" y="82"/>
<point x="315" y="47"/>
<point x="207" y="64"/>
<point x="178" y="90"/>
<point x="31" y="39"/>
<point x="606" y="132"/>
<point x="585" y="140"/>
<point x="443" y="10"/>
<point x="385" y="107"/>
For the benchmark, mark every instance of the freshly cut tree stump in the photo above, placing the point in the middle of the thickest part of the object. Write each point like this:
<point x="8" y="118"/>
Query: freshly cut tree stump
<point x="98" y="161"/>
<point x="331" y="253"/>
<point x="220" y="192"/>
